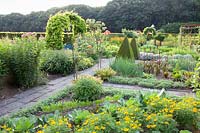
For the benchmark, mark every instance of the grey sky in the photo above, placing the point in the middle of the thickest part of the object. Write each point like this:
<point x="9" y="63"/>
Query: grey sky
<point x="27" y="6"/>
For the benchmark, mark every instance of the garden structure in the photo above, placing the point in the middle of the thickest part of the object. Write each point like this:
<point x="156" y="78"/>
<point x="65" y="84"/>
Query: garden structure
<point x="189" y="34"/>
<point x="138" y="86"/>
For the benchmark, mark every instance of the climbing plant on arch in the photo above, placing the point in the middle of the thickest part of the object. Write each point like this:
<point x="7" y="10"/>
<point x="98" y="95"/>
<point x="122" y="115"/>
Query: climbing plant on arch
<point x="60" y="22"/>
<point x="149" y="32"/>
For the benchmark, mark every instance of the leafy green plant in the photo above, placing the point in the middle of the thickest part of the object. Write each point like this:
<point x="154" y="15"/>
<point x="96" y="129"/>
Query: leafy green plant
<point x="56" y="62"/>
<point x="86" y="89"/>
<point x="195" y="82"/>
<point x="84" y="63"/>
<point x="99" y="122"/>
<point x="105" y="73"/>
<point x="78" y="116"/>
<point x="186" y="113"/>
<point x="184" y="64"/>
<point x="176" y="74"/>
<point x="23" y="61"/>
<point x="22" y="124"/>
<point x="127" y="67"/>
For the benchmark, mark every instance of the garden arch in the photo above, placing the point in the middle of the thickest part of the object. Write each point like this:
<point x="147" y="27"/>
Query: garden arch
<point x="61" y="22"/>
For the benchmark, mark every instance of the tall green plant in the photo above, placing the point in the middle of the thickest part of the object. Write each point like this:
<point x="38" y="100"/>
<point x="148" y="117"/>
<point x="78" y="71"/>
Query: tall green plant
<point x="135" y="49"/>
<point x="23" y="61"/>
<point x="126" y="50"/>
<point x="127" y="67"/>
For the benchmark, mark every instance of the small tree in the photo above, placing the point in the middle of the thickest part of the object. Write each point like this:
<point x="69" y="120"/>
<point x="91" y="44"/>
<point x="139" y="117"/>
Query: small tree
<point x="159" y="37"/>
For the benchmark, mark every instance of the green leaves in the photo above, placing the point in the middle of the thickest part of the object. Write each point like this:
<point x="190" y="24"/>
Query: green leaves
<point x="23" y="124"/>
<point x="87" y="89"/>
<point x="60" y="22"/>
<point x="21" y="59"/>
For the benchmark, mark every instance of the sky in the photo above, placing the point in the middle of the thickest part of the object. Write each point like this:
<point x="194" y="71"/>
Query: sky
<point x="27" y="6"/>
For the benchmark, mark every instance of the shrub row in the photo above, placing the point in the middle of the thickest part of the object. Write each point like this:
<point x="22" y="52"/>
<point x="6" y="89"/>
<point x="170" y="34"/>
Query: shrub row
<point x="148" y="83"/>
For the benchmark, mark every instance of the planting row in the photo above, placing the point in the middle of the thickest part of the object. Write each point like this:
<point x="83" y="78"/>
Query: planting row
<point x="94" y="109"/>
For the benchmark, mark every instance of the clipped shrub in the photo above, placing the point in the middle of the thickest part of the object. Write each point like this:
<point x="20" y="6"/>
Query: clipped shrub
<point x="56" y="62"/>
<point x="105" y="73"/>
<point x="127" y="67"/>
<point x="126" y="50"/>
<point x="23" y="61"/>
<point x="87" y="89"/>
<point x="135" y="49"/>
<point x="159" y="37"/>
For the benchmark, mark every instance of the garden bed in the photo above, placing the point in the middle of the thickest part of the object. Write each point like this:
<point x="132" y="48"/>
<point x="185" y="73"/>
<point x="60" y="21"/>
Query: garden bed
<point x="116" y="111"/>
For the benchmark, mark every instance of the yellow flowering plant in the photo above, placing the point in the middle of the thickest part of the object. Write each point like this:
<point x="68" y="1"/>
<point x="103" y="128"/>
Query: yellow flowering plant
<point x="105" y="73"/>
<point x="160" y="122"/>
<point x="117" y="115"/>
<point x="98" y="123"/>
<point x="187" y="113"/>
<point x="56" y="125"/>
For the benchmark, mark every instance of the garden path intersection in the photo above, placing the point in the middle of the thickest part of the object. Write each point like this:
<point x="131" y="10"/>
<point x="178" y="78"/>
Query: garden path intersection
<point x="32" y="96"/>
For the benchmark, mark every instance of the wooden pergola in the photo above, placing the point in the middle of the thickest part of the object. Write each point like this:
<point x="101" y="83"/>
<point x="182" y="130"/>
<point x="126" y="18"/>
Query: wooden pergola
<point x="189" y="33"/>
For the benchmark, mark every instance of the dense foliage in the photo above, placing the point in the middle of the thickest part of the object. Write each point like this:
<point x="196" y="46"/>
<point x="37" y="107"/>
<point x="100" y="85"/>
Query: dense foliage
<point x="21" y="58"/>
<point x="117" y="14"/>
<point x="60" y="22"/>
<point x="56" y="62"/>
<point x="144" y="113"/>
<point x="87" y="89"/>
<point x="127" y="67"/>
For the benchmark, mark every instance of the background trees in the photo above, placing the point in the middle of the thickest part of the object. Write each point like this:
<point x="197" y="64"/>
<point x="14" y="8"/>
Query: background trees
<point x="117" y="14"/>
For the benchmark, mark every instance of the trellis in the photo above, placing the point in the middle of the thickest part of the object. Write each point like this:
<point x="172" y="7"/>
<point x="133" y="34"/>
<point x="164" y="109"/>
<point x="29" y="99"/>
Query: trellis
<point x="189" y="34"/>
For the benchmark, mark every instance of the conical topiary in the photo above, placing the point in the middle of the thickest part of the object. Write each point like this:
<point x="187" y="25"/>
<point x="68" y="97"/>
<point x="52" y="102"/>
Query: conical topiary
<point x="135" y="49"/>
<point x="126" y="50"/>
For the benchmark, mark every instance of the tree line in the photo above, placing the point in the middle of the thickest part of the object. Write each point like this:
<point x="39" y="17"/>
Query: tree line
<point x="117" y="14"/>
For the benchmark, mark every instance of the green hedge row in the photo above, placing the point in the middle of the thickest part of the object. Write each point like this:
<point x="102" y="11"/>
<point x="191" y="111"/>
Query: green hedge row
<point x="12" y="35"/>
